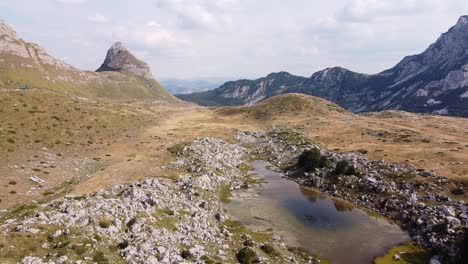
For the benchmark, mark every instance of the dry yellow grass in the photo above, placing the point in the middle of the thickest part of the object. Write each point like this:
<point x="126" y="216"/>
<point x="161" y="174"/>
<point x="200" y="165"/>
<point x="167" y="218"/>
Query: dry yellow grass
<point x="138" y="150"/>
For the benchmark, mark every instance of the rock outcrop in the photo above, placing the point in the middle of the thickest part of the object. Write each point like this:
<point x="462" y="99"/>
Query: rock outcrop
<point x="120" y="59"/>
<point x="10" y="44"/>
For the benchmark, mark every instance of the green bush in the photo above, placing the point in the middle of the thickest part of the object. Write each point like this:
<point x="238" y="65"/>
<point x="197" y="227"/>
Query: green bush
<point x="123" y="244"/>
<point x="310" y="160"/>
<point x="268" y="249"/>
<point x="341" y="167"/>
<point x="351" y="170"/>
<point x="185" y="254"/>
<point x="247" y="256"/>
<point x="104" y="224"/>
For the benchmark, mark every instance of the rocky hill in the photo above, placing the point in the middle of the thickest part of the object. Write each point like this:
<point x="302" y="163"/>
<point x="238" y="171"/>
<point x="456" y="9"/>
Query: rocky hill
<point x="435" y="81"/>
<point x="125" y="77"/>
<point x="120" y="59"/>
<point x="245" y="92"/>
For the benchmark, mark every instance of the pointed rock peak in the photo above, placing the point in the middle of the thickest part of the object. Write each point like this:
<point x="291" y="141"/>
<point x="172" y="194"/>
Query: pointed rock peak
<point x="117" y="47"/>
<point x="6" y="29"/>
<point x="118" y="58"/>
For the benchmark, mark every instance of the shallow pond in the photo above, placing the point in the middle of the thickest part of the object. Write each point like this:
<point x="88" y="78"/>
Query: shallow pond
<point x="306" y="218"/>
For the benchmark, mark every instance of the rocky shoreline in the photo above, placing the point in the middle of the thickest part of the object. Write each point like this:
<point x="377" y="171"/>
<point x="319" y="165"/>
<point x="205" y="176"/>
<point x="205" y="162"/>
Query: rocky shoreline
<point x="420" y="207"/>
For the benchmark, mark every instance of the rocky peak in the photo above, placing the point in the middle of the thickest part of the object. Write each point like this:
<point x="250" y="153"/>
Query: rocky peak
<point x="278" y="74"/>
<point x="331" y="74"/>
<point x="462" y="22"/>
<point x="118" y="58"/>
<point x="6" y="29"/>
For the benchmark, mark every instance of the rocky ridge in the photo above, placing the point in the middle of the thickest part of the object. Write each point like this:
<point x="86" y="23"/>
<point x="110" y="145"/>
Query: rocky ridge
<point x="435" y="81"/>
<point x="11" y="44"/>
<point x="245" y="92"/>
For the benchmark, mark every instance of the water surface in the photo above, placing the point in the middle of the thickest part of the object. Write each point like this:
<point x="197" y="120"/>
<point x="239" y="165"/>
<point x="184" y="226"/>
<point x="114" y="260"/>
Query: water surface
<point x="306" y="218"/>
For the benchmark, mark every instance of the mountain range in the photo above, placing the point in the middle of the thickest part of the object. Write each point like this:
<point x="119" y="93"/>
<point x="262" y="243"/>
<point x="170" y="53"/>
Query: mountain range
<point x="434" y="81"/>
<point x="121" y="76"/>
<point x="187" y="86"/>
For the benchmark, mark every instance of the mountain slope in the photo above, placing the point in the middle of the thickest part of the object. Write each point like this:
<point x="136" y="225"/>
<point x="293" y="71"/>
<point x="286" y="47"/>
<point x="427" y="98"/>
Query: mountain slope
<point x="245" y="92"/>
<point x="22" y="62"/>
<point x="435" y="81"/>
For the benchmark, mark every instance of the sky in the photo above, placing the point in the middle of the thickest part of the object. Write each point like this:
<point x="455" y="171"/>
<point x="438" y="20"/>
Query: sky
<point x="199" y="39"/>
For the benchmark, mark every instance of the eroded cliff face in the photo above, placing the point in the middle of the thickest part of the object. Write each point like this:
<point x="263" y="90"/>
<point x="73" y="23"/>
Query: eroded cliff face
<point x="11" y="44"/>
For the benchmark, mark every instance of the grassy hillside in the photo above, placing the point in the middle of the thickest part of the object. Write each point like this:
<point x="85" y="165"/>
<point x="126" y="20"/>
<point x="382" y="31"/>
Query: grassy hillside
<point x="15" y="70"/>
<point x="56" y="136"/>
<point x="284" y="105"/>
<point x="428" y="141"/>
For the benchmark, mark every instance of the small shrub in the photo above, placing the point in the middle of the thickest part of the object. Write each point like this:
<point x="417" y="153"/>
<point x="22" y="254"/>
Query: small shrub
<point x="185" y="254"/>
<point x="268" y="249"/>
<point x="247" y="256"/>
<point x="341" y="167"/>
<point x="13" y="192"/>
<point x="12" y="182"/>
<point x="351" y="170"/>
<point x="123" y="244"/>
<point x="310" y="160"/>
<point x="10" y="140"/>
<point x="248" y="243"/>
<point x="104" y="224"/>
<point x="100" y="258"/>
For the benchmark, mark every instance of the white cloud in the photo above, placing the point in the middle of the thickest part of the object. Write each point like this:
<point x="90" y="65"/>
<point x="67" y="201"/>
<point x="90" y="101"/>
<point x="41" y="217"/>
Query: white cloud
<point x="367" y="10"/>
<point x="70" y="1"/>
<point x="190" y="38"/>
<point x="152" y="35"/>
<point x="98" y="18"/>
<point x="202" y="14"/>
<point x="153" y="23"/>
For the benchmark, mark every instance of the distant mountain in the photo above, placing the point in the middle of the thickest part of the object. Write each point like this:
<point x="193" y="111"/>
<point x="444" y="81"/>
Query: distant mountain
<point x="122" y="76"/>
<point x="186" y="86"/>
<point x="435" y="81"/>
<point x="245" y="92"/>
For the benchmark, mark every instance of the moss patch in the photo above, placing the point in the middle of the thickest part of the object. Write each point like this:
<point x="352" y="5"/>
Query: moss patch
<point x="409" y="253"/>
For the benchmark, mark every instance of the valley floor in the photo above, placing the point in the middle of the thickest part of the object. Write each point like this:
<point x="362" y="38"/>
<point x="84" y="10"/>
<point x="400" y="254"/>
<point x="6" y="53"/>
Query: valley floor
<point x="61" y="144"/>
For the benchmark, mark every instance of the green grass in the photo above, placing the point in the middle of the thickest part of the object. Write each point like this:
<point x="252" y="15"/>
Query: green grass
<point x="409" y="252"/>
<point x="225" y="194"/>
<point x="104" y="224"/>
